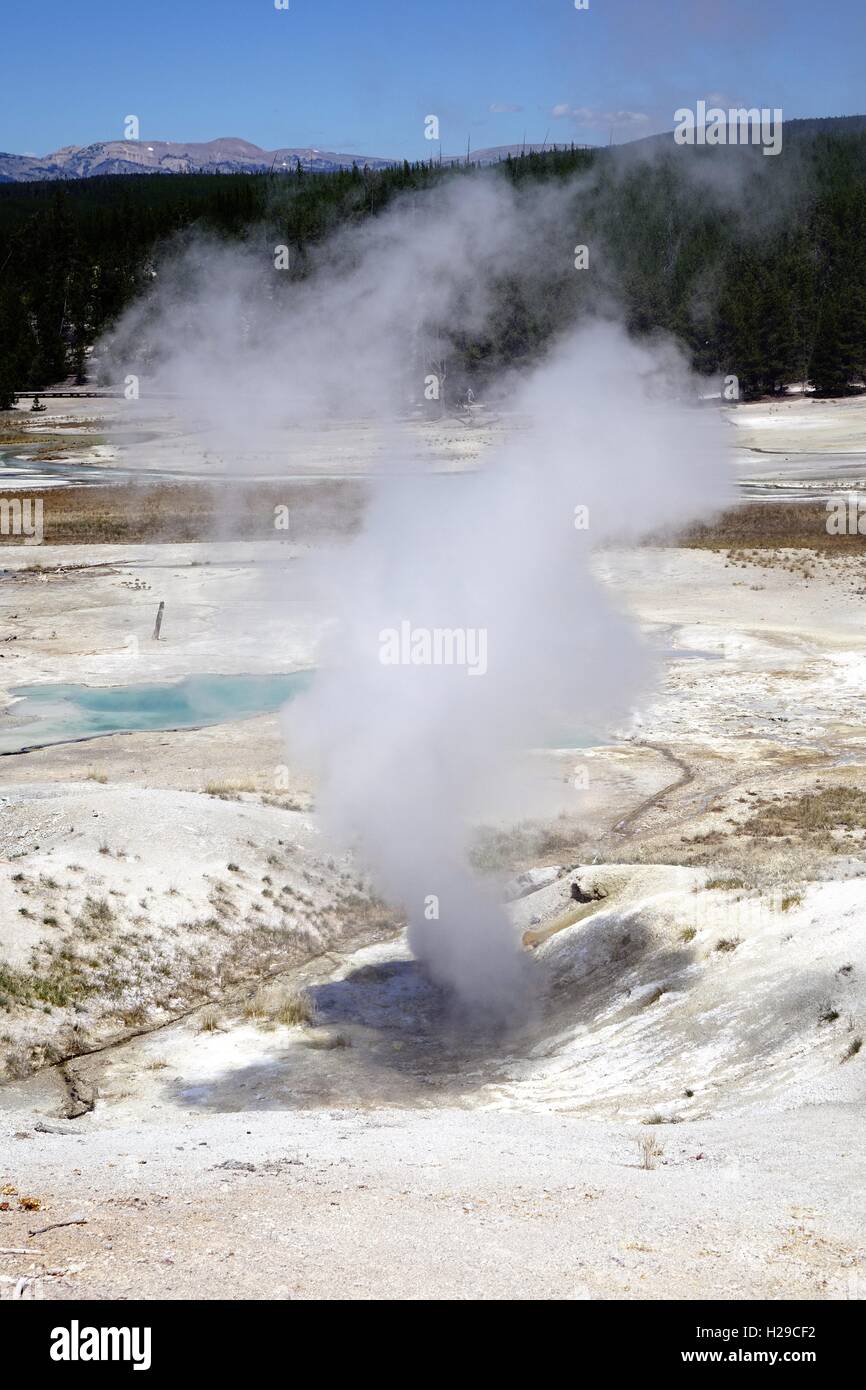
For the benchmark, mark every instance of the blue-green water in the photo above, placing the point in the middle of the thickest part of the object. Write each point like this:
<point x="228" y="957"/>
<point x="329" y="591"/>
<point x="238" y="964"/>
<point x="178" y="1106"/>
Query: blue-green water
<point x="45" y="714"/>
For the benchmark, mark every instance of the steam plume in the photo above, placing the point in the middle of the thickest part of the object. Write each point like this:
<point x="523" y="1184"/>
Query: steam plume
<point x="407" y="755"/>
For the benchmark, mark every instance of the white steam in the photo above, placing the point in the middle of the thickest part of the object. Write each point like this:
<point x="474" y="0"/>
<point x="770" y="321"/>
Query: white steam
<point x="406" y="754"/>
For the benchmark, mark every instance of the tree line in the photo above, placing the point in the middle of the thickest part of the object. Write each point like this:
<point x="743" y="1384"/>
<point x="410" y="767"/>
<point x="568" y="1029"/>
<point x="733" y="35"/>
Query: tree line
<point x="758" y="265"/>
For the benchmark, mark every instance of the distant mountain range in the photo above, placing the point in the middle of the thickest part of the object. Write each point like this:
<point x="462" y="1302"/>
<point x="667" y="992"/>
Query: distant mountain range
<point x="226" y="156"/>
<point x="232" y="156"/>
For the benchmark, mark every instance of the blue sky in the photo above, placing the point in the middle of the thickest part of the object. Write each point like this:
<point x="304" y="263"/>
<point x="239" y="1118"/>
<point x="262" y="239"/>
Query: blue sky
<point x="360" y="75"/>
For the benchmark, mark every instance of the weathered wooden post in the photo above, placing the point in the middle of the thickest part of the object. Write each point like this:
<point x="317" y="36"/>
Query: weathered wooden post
<point x="158" y="624"/>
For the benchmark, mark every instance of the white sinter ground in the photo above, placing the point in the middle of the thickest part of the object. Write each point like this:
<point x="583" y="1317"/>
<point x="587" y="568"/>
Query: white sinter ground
<point x="710" y="997"/>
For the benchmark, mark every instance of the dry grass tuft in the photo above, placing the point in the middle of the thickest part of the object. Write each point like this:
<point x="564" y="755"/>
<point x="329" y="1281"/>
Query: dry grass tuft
<point x="135" y="1016"/>
<point x="496" y="849"/>
<point x="283" y="1004"/>
<point x="295" y="1009"/>
<point x="790" y="900"/>
<point x="183" y="512"/>
<point x="650" y="1151"/>
<point x="230" y="790"/>
<point x="773" y="527"/>
<point x="831" y="808"/>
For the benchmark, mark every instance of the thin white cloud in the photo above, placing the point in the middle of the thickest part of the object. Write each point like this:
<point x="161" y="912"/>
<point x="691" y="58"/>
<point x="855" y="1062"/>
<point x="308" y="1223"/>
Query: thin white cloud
<point x="591" y="115"/>
<point x="500" y="107"/>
